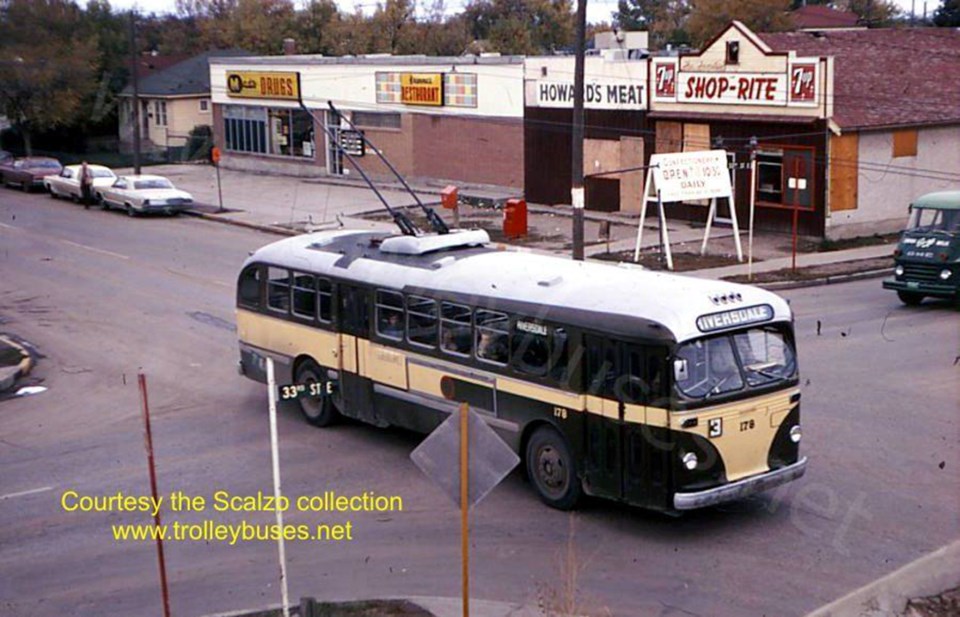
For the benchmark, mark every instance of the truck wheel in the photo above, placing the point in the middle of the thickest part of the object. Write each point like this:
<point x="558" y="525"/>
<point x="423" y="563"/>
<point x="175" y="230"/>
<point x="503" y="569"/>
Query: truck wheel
<point x="910" y="298"/>
<point x="552" y="470"/>
<point x="318" y="411"/>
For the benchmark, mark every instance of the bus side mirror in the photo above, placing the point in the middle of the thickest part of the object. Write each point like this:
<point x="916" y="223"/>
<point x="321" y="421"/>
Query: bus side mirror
<point x="679" y="369"/>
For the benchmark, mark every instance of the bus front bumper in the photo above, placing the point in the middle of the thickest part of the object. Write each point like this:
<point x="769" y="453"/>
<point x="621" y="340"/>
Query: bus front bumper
<point x="921" y="287"/>
<point x="740" y="488"/>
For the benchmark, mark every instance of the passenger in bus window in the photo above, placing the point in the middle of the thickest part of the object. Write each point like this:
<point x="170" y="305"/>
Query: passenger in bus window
<point x="492" y="346"/>
<point x="391" y="326"/>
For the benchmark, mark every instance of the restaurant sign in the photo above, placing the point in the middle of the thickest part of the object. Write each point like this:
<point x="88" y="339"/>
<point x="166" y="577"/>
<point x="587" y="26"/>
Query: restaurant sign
<point x="421" y="89"/>
<point x="263" y="85"/>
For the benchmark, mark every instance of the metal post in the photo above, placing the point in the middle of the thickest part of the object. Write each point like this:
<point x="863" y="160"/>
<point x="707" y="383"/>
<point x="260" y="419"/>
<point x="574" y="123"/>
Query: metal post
<point x="135" y="70"/>
<point x="753" y="205"/>
<point x="576" y="185"/>
<point x="275" y="459"/>
<point x="148" y="444"/>
<point x="796" y="209"/>
<point x="219" y="189"/>
<point x="464" y="508"/>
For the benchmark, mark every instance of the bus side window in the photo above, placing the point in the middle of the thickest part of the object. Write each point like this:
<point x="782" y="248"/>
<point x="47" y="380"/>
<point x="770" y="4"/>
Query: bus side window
<point x="249" y="288"/>
<point x="530" y="352"/>
<point x="559" y="355"/>
<point x="390" y="314"/>
<point x="325" y="296"/>
<point x="602" y="367"/>
<point x="422" y="321"/>
<point x="493" y="336"/>
<point x="278" y="289"/>
<point x="304" y="295"/>
<point x="456" y="336"/>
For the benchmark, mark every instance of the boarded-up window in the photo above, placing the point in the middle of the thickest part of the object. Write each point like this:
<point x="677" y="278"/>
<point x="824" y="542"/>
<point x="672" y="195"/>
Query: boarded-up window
<point x="631" y="182"/>
<point x="696" y="137"/>
<point x="905" y="143"/>
<point x="669" y="137"/>
<point x="844" y="163"/>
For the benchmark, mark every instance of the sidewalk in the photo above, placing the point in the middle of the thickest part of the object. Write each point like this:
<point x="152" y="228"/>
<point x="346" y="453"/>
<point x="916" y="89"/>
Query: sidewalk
<point x="289" y="205"/>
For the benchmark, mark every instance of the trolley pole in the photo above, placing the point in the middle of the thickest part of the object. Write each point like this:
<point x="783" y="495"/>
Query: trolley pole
<point x="148" y="444"/>
<point x="576" y="187"/>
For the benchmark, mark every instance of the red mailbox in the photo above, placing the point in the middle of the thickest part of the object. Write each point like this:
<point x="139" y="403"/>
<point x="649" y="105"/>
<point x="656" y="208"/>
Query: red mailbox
<point x="515" y="218"/>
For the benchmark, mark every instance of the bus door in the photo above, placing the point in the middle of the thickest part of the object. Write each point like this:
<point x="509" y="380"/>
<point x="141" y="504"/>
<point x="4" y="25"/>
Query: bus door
<point x="625" y="454"/>
<point x="356" y="391"/>
<point x="604" y="423"/>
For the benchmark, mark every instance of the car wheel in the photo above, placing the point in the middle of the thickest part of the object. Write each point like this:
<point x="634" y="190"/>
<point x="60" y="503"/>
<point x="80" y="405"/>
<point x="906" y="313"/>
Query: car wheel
<point x="317" y="410"/>
<point x="910" y="298"/>
<point x="130" y="210"/>
<point x="552" y="470"/>
<point x="25" y="186"/>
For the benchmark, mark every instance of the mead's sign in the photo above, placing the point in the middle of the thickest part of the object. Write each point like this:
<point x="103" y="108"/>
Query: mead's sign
<point x="597" y="94"/>
<point x="421" y="89"/>
<point x="263" y="85"/>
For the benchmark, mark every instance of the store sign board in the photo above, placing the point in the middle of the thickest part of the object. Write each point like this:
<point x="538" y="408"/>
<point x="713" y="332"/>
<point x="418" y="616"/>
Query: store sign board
<point x="732" y="88"/>
<point x="804" y="78"/>
<point x="684" y="176"/>
<point x="263" y="85"/>
<point x="665" y="81"/>
<point x="421" y="89"/>
<point x="597" y="94"/>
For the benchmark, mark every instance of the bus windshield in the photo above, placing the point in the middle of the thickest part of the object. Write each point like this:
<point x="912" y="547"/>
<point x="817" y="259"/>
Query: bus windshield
<point x="725" y="364"/>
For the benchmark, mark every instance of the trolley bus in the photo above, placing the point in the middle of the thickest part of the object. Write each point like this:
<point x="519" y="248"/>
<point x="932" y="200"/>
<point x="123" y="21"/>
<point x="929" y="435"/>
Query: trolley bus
<point x="662" y="391"/>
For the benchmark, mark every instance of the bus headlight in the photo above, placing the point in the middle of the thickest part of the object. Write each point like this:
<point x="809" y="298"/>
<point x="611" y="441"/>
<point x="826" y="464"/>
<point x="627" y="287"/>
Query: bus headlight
<point x="796" y="434"/>
<point x="945" y="274"/>
<point x="898" y="270"/>
<point x="690" y="461"/>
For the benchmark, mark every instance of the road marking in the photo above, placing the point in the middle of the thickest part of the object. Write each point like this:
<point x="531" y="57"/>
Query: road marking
<point x="10" y="227"/>
<point x="42" y="489"/>
<point x="95" y="250"/>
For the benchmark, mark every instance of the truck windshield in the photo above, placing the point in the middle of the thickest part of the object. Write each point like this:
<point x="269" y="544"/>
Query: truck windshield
<point x="930" y="219"/>
<point x="724" y="364"/>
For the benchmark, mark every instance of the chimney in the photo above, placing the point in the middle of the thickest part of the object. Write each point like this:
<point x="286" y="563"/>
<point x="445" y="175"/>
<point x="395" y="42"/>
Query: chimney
<point x="289" y="47"/>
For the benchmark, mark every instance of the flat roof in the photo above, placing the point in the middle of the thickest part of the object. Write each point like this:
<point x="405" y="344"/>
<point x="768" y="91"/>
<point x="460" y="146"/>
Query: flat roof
<point x="372" y="60"/>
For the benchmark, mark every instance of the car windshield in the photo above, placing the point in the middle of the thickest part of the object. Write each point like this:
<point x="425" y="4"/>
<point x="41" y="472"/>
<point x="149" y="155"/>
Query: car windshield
<point x="156" y="183"/>
<point x="45" y="164"/>
<point x="934" y="219"/>
<point x="723" y="364"/>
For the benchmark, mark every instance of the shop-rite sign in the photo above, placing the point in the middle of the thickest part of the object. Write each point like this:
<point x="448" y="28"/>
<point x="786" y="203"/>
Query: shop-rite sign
<point x="263" y="85"/>
<point x="733" y="89"/>
<point x="421" y="88"/>
<point x="596" y="94"/>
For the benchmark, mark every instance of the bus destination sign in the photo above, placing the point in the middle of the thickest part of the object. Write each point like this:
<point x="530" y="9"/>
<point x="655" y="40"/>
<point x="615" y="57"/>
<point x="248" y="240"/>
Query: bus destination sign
<point x="734" y="318"/>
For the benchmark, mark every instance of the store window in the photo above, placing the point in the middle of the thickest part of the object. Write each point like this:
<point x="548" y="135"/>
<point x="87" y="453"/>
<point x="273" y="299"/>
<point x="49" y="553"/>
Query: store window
<point x="282" y="132"/>
<point x="770" y="176"/>
<point x="785" y="177"/>
<point x="376" y="120"/>
<point x="204" y="105"/>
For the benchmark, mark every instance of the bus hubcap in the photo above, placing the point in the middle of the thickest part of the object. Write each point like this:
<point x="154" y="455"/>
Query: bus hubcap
<point x="551" y="469"/>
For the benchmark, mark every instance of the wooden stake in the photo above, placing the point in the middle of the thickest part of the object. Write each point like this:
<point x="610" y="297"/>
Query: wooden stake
<point x="148" y="444"/>
<point x="464" y="508"/>
<point x="277" y="492"/>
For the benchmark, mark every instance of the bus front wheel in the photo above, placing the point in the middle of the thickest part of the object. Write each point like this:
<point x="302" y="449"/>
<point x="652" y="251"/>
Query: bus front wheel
<point x="551" y="469"/>
<point x="910" y="298"/>
<point x="317" y="410"/>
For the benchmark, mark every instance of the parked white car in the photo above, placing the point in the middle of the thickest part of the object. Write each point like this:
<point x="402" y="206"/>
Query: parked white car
<point x="67" y="183"/>
<point x="143" y="194"/>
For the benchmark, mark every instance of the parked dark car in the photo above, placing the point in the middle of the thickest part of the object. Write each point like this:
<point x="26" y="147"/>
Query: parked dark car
<point x="5" y="156"/>
<point x="28" y="172"/>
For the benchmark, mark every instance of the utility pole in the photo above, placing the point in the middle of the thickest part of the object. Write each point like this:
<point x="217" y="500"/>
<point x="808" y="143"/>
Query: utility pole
<point x="576" y="185"/>
<point x="135" y="70"/>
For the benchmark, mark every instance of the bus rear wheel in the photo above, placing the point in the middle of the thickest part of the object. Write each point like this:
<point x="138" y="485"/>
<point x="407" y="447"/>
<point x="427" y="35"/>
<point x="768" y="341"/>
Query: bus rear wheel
<point x="551" y="469"/>
<point x="910" y="298"/>
<point x="318" y="410"/>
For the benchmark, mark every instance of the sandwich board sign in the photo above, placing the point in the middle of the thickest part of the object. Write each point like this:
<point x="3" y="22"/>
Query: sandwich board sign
<point x="687" y="176"/>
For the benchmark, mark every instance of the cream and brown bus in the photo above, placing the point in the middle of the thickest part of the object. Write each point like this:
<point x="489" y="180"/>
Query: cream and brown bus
<point x="662" y="391"/>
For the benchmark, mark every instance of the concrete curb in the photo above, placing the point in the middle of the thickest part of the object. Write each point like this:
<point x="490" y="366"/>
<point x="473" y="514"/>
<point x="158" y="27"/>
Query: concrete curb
<point x="21" y="369"/>
<point x="930" y="575"/>
<point x="270" y="229"/>
<point x="827" y="280"/>
<point x="438" y="606"/>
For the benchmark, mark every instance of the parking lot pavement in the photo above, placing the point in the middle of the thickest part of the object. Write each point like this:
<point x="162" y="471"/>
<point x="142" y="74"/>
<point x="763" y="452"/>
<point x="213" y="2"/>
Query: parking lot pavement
<point x="288" y="205"/>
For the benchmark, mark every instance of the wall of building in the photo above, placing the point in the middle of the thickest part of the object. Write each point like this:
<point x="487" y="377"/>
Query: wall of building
<point x="478" y="150"/>
<point x="886" y="184"/>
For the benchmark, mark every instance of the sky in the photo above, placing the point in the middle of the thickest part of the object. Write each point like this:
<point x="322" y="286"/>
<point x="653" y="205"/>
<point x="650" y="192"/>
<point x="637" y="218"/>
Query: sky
<point x="597" y="10"/>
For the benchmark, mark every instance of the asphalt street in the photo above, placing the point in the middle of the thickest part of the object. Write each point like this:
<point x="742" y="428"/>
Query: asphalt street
<point x="101" y="296"/>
